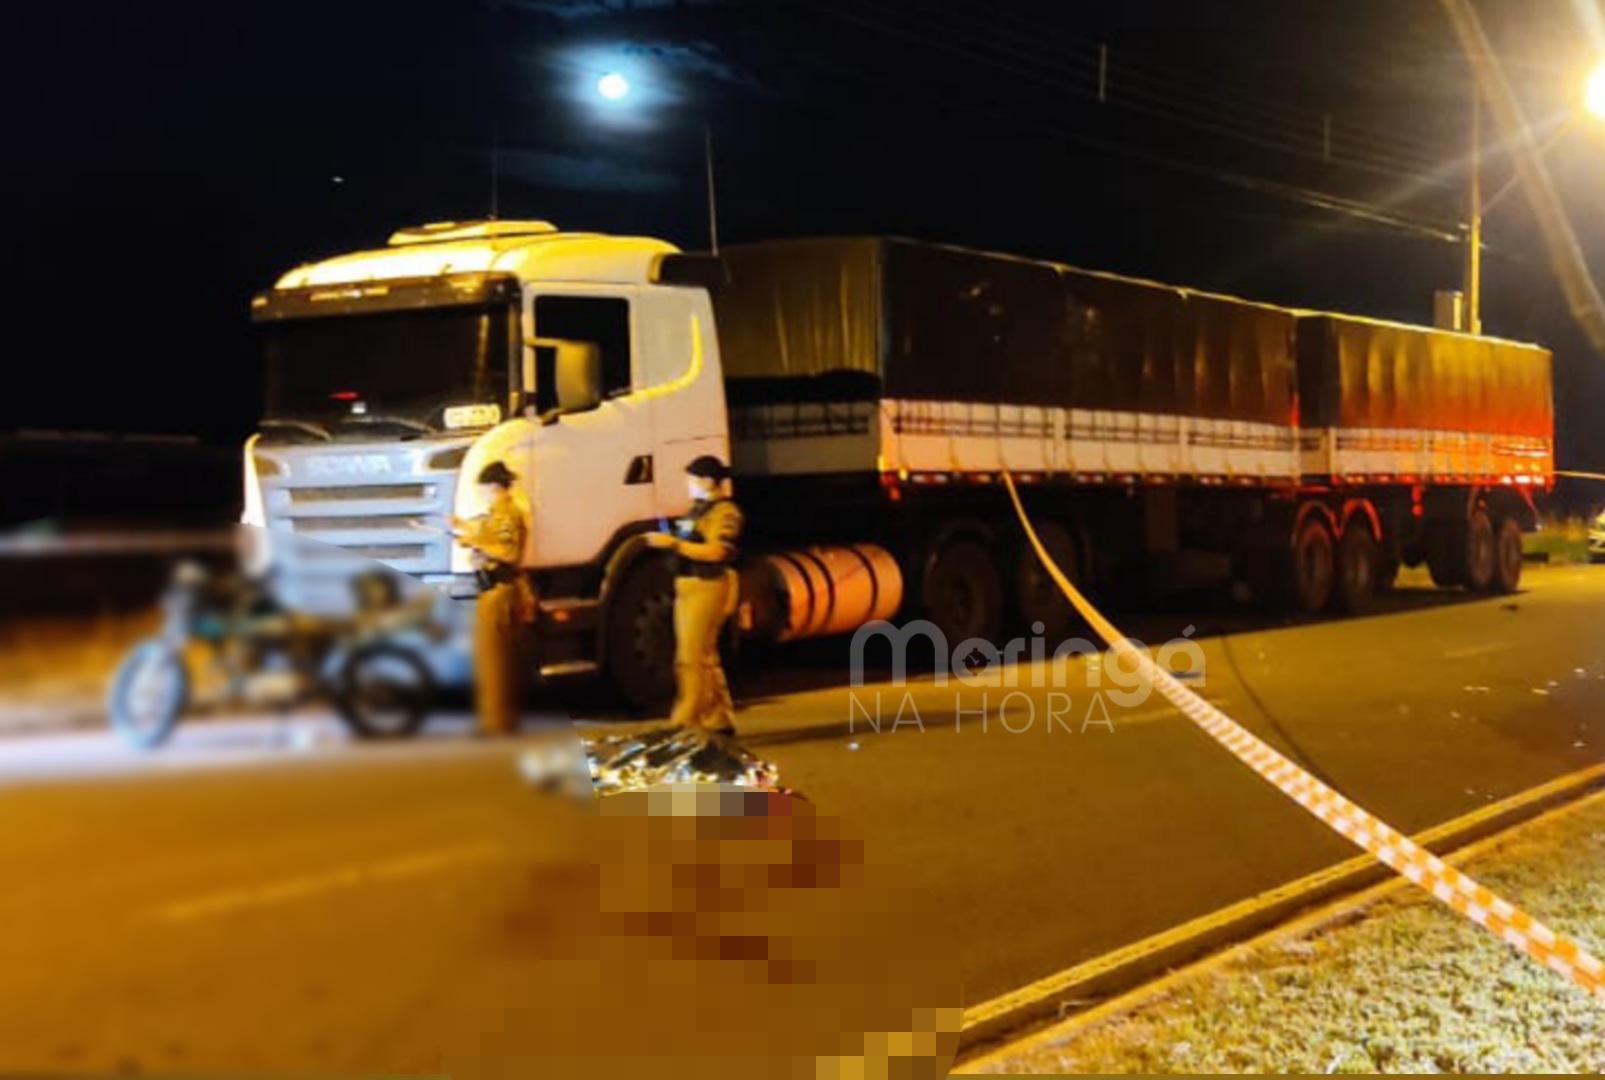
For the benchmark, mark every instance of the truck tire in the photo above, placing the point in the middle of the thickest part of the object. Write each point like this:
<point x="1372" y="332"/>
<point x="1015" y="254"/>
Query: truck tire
<point x="1358" y="562"/>
<point x="1508" y="556"/>
<point x="1387" y="573"/>
<point x="1479" y="552"/>
<point x="1311" y="568"/>
<point x="1445" y="548"/>
<point x="640" y="636"/>
<point x="961" y="592"/>
<point x="1037" y="596"/>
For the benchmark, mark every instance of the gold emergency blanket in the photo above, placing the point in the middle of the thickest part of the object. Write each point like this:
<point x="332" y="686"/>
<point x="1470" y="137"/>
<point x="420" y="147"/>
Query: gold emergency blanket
<point x="672" y="755"/>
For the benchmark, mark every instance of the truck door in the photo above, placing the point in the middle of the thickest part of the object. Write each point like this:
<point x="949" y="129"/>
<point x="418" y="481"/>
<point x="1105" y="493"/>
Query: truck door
<point x="683" y="384"/>
<point x="593" y="469"/>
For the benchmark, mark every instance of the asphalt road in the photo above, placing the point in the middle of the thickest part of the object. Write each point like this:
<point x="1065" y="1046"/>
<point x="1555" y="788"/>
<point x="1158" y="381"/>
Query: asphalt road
<point x="265" y="896"/>
<point x="1048" y="847"/>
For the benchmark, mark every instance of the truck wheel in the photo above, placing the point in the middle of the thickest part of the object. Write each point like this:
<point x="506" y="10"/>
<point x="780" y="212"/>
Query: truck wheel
<point x="962" y="594"/>
<point x="1508" y="557"/>
<point x="1479" y="552"/>
<point x="1358" y="560"/>
<point x="640" y="636"/>
<point x="1387" y="573"/>
<point x="1311" y="573"/>
<point x="1037" y="595"/>
<point x="1446" y="547"/>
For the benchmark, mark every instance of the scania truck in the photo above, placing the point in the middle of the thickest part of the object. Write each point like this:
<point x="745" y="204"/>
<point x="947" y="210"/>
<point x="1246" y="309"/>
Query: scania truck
<point x="868" y="393"/>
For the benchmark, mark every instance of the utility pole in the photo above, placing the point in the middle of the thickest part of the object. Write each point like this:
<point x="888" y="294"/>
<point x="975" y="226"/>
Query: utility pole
<point x="1473" y="278"/>
<point x="1565" y="254"/>
<point x="713" y="206"/>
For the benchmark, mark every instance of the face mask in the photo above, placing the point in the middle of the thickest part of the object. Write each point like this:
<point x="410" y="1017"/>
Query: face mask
<point x="697" y="487"/>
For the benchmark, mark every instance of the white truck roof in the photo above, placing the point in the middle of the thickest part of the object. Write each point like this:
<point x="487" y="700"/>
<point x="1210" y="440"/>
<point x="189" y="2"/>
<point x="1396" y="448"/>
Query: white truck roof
<point x="533" y="250"/>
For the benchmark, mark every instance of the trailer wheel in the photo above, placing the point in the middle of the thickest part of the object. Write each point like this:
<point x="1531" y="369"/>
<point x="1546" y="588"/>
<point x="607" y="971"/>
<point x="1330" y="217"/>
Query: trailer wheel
<point x="1446" y="547"/>
<point x="1312" y="570"/>
<point x="1387" y="573"/>
<point x="1358" y="560"/>
<point x="640" y="636"/>
<point x="1508" y="557"/>
<point x="962" y="594"/>
<point x="1479" y="554"/>
<point x="1037" y="595"/>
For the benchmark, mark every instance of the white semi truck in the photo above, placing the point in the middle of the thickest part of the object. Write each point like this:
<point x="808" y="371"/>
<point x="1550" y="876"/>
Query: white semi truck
<point x="868" y="391"/>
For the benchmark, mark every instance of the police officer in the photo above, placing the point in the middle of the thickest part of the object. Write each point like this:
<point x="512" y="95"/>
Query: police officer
<point x="704" y="544"/>
<point x="506" y="598"/>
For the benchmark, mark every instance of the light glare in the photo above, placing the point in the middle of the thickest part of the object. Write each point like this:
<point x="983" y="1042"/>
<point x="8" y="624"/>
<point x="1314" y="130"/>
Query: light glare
<point x="1594" y="93"/>
<point x="613" y="86"/>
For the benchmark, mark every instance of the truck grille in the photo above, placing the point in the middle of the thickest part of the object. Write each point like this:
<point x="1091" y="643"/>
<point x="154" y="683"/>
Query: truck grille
<point x="367" y="491"/>
<point x="321" y="493"/>
<point x="346" y="522"/>
<point x="388" y="553"/>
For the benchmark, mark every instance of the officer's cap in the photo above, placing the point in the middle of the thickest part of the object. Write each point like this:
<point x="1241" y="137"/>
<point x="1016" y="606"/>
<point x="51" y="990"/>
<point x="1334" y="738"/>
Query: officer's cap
<point x="708" y="467"/>
<point x="498" y="474"/>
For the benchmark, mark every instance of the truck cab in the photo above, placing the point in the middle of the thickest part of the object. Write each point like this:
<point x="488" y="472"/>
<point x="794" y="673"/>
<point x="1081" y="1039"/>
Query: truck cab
<point x="588" y="364"/>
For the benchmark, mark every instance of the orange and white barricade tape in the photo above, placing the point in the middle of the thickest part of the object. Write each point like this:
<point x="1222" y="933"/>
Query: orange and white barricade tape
<point x="1390" y="847"/>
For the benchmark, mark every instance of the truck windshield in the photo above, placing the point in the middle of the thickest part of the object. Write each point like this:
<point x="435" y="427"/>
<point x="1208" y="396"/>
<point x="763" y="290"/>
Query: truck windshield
<point x="404" y="367"/>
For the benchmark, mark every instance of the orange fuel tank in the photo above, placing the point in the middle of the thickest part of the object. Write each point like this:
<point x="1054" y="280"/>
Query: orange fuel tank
<point x="820" y="591"/>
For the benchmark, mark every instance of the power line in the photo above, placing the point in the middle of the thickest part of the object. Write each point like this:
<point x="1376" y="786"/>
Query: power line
<point x="1296" y="115"/>
<point x="1229" y="123"/>
<point x="1355" y="209"/>
<point x="1326" y="201"/>
<point x="1429" y="150"/>
<point x="1216" y="121"/>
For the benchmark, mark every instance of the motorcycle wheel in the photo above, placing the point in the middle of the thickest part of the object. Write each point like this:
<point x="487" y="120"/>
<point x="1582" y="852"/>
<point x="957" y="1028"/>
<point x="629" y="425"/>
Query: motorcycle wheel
<point x="383" y="691"/>
<point x="149" y="692"/>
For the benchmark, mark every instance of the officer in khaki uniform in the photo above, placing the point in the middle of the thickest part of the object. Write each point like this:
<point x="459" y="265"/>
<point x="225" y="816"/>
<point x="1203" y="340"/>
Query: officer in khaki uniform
<point x="704" y="596"/>
<point x="506" y="602"/>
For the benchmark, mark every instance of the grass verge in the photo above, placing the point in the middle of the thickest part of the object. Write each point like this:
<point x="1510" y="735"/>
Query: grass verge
<point x="1402" y="985"/>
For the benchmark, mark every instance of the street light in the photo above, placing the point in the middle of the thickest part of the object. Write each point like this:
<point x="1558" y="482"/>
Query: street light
<point x="613" y="86"/>
<point x="1594" y="92"/>
<point x="1593" y="104"/>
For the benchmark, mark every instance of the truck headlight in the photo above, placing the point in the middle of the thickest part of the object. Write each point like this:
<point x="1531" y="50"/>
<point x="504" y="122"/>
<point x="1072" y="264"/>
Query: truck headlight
<point x="252" y="511"/>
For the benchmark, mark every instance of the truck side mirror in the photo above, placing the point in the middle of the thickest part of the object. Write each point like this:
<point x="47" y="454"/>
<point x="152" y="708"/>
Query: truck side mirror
<point x="567" y="377"/>
<point x="579" y="376"/>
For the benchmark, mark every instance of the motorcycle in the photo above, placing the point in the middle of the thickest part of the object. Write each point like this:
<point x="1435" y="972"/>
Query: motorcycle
<point x="265" y="653"/>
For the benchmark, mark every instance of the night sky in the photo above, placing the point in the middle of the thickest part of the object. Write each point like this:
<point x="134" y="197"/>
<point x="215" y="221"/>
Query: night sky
<point x="164" y="161"/>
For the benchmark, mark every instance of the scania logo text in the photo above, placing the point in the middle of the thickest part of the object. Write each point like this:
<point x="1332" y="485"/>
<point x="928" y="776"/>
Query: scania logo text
<point x="348" y="466"/>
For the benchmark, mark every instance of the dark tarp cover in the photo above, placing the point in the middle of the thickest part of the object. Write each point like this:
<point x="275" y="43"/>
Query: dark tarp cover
<point x="800" y="308"/>
<point x="835" y="318"/>
<point x="1362" y="373"/>
<point x="939" y="323"/>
